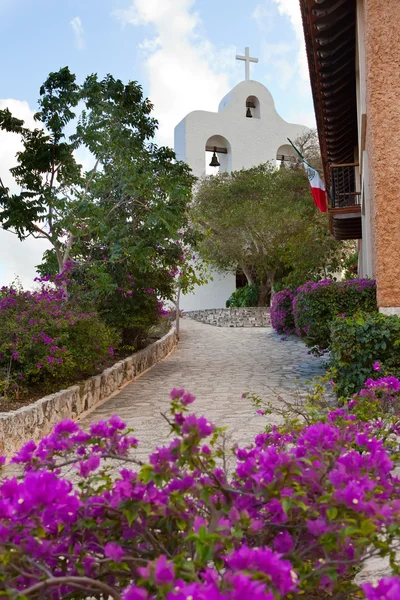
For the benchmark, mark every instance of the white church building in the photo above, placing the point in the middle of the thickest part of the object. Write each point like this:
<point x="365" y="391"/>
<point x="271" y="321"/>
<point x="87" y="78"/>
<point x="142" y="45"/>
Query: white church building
<point x="245" y="132"/>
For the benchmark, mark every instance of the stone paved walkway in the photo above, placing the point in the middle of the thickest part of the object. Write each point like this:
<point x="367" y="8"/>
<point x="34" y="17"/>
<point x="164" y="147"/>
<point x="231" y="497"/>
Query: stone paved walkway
<point x="217" y="365"/>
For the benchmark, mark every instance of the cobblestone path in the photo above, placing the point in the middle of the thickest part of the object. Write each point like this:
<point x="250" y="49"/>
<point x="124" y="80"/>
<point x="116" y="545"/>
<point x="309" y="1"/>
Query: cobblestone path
<point x="217" y="365"/>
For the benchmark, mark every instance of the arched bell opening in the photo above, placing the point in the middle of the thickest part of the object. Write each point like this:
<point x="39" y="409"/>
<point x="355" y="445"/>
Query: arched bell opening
<point x="253" y="108"/>
<point x="218" y="155"/>
<point x="285" y="156"/>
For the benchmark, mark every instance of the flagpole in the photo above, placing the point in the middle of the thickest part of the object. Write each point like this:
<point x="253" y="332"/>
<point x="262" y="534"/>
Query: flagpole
<point x="298" y="152"/>
<point x="318" y="190"/>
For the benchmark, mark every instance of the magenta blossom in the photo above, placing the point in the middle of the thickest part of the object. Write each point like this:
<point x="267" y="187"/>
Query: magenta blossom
<point x="188" y="399"/>
<point x="175" y="393"/>
<point x="114" y="551"/>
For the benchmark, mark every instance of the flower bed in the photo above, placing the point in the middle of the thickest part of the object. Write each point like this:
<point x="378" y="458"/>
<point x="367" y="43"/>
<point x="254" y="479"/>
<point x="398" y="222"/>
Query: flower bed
<point x="48" y="341"/>
<point x="282" y="318"/>
<point x="300" y="513"/>
<point x="317" y="304"/>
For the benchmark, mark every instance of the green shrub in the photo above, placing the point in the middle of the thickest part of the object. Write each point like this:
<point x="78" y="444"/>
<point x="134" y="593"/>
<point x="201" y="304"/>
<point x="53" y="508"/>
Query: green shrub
<point x="45" y="339"/>
<point x="364" y="346"/>
<point x="317" y="304"/>
<point x="244" y="296"/>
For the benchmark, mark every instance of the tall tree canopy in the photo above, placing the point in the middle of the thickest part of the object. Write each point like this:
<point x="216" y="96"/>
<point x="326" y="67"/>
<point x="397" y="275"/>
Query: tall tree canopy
<point x="262" y="221"/>
<point x="123" y="221"/>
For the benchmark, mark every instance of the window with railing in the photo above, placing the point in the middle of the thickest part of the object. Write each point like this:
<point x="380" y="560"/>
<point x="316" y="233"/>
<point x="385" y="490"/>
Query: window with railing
<point x="343" y="192"/>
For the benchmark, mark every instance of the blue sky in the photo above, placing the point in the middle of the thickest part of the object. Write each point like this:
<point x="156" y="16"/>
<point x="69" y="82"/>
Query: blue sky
<point x="181" y="51"/>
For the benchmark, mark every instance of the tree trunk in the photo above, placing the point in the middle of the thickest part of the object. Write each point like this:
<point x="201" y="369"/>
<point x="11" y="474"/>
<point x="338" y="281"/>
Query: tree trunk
<point x="60" y="259"/>
<point x="271" y="282"/>
<point x="248" y="274"/>
<point x="263" y="292"/>
<point x="265" y="289"/>
<point x="177" y="310"/>
<point x="61" y="264"/>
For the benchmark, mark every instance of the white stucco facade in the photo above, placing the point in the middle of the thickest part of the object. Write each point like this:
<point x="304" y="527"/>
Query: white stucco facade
<point x="248" y="142"/>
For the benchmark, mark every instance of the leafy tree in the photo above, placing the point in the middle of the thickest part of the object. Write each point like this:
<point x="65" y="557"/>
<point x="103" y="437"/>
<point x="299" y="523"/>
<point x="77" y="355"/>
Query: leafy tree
<point x="262" y="221"/>
<point x="115" y="228"/>
<point x="46" y="169"/>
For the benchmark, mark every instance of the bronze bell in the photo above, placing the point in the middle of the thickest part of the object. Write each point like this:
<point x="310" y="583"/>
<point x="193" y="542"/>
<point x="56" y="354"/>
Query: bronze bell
<point x="214" y="161"/>
<point x="248" y="113"/>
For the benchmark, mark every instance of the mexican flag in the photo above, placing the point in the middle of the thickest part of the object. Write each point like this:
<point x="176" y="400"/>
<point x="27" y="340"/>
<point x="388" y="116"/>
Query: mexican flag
<point x="317" y="185"/>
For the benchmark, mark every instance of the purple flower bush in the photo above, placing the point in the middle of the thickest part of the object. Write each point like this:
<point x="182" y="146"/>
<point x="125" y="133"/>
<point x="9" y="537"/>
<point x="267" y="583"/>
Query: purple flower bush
<point x="297" y="515"/>
<point x="282" y="319"/>
<point x="44" y="338"/>
<point x="316" y="305"/>
<point x="365" y="346"/>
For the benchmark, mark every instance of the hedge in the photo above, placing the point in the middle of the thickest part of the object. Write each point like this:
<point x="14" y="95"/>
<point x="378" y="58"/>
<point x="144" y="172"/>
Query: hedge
<point x="364" y="347"/>
<point x="317" y="304"/>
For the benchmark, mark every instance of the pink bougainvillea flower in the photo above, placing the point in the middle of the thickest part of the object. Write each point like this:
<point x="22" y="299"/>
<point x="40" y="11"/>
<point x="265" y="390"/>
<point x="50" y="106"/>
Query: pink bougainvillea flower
<point x="85" y="467"/>
<point x="188" y="399"/>
<point x="135" y="593"/>
<point x="113" y="551"/>
<point x="175" y="393"/>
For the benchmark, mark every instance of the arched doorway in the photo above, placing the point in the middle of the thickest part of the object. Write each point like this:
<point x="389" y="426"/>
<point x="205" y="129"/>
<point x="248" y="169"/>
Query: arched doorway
<point x="223" y="153"/>
<point x="285" y="155"/>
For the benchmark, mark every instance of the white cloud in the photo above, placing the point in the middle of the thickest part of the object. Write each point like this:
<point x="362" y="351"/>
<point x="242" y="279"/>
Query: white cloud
<point x="263" y="16"/>
<point x="291" y="9"/>
<point x="186" y="71"/>
<point x="17" y="258"/>
<point x="279" y="56"/>
<point x="78" y="30"/>
<point x="291" y="70"/>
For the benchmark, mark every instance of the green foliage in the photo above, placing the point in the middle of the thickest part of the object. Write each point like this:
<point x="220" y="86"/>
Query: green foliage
<point x="263" y="221"/>
<point x="44" y="339"/>
<point x="120" y="229"/>
<point x="46" y="169"/>
<point x="317" y="304"/>
<point x="244" y="296"/>
<point x="351" y="265"/>
<point x="364" y="346"/>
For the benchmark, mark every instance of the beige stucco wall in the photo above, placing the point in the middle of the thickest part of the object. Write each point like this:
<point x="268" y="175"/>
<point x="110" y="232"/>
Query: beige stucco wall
<point x="382" y="44"/>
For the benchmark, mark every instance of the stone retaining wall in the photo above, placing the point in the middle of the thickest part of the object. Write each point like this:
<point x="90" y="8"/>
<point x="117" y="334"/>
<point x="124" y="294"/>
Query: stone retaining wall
<point x="38" y="419"/>
<point x="232" y="317"/>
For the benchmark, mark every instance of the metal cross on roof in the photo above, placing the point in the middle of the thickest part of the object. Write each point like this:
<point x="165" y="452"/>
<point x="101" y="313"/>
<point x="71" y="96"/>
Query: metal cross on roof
<point x="247" y="58"/>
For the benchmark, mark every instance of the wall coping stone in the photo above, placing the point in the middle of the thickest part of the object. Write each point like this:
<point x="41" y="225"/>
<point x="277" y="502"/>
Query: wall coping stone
<point x="36" y="420"/>
<point x="232" y="317"/>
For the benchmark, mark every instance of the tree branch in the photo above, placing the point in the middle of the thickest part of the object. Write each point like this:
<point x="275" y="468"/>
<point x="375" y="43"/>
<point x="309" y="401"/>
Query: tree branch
<point x="74" y="582"/>
<point x="89" y="181"/>
<point x="68" y="247"/>
<point x="3" y="186"/>
<point x="43" y="233"/>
